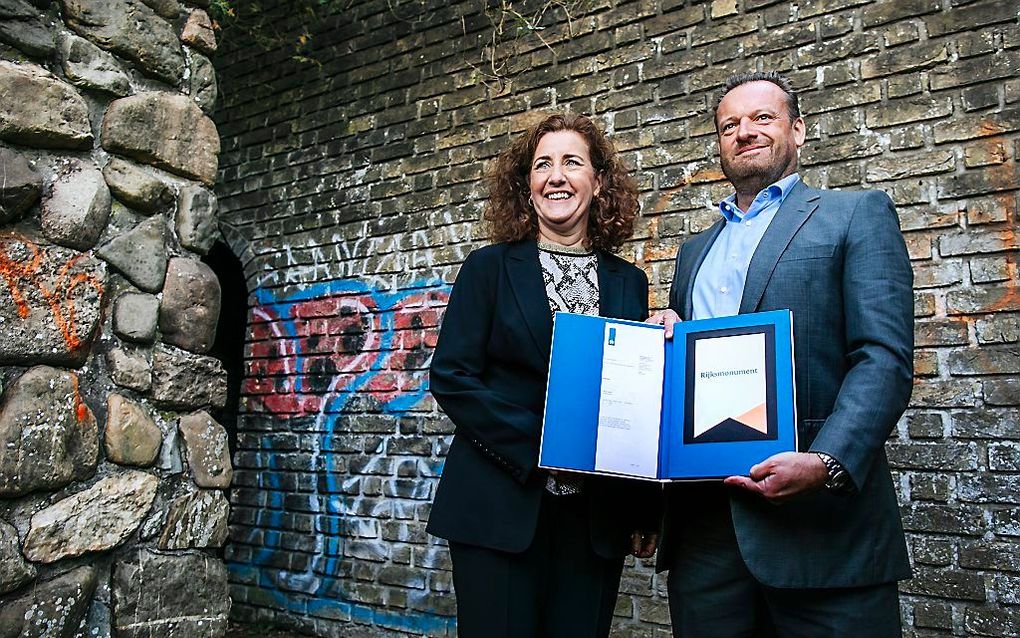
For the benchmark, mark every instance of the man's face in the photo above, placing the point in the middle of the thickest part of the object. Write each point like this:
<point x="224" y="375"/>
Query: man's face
<point x="757" y="140"/>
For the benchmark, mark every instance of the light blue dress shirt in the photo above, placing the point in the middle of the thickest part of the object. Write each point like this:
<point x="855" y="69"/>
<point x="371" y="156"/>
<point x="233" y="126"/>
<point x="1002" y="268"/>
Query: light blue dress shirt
<point x="719" y="283"/>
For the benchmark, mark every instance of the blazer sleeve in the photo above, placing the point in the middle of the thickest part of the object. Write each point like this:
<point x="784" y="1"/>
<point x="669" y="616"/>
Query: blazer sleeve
<point x="878" y="310"/>
<point x="502" y="430"/>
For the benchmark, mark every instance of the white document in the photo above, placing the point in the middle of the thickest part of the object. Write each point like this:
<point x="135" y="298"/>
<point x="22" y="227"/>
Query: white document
<point x="730" y="385"/>
<point x="630" y="401"/>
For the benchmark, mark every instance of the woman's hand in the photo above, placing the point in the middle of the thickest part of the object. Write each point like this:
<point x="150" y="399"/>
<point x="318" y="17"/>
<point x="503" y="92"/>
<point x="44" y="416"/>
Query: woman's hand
<point x="643" y="544"/>
<point x="665" y="318"/>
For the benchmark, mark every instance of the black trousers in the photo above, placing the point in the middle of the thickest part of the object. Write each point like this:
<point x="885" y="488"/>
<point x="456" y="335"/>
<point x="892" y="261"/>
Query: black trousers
<point x="557" y="588"/>
<point x="713" y="595"/>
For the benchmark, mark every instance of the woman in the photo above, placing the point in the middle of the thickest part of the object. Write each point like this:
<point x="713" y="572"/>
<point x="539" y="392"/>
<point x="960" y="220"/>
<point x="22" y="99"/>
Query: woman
<point x="536" y="553"/>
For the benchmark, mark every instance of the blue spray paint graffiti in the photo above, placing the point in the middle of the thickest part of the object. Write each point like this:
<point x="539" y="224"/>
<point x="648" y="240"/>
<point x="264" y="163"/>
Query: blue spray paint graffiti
<point x="325" y="345"/>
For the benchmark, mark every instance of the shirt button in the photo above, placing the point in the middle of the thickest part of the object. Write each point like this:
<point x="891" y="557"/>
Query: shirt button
<point x="749" y="222"/>
<point x="724" y="290"/>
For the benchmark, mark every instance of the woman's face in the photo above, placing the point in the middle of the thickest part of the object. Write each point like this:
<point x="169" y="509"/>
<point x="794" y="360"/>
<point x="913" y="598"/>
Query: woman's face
<point x="563" y="183"/>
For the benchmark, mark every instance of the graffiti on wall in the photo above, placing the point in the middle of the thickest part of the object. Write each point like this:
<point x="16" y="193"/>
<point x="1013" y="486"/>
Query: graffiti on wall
<point x="317" y="356"/>
<point x="63" y="283"/>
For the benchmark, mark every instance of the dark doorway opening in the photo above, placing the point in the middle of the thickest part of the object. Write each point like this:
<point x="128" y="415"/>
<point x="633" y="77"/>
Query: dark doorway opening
<point x="231" y="331"/>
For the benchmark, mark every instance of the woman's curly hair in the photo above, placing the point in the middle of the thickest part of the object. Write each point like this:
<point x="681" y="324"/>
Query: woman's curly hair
<point x="509" y="213"/>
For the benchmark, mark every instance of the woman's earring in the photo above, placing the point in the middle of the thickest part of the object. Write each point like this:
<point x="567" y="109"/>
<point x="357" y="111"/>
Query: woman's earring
<point x="531" y="200"/>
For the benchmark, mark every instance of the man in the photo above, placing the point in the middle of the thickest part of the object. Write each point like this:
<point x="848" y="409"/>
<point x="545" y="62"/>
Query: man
<point x="810" y="543"/>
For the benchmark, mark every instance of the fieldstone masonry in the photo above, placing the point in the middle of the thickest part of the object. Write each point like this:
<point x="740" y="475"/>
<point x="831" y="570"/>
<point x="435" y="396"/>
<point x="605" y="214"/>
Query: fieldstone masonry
<point x="354" y="186"/>
<point x="103" y="532"/>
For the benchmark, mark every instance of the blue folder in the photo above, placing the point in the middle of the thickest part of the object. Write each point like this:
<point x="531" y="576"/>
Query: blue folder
<point x="570" y="427"/>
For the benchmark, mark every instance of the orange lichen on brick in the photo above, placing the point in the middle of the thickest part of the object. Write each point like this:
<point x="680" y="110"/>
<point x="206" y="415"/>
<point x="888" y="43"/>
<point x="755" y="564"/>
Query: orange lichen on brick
<point x="60" y="299"/>
<point x="12" y="271"/>
<point x="81" y="411"/>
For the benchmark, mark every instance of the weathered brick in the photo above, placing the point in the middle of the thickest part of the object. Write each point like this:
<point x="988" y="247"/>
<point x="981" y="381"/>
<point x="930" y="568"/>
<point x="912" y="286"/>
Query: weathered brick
<point x="900" y="166"/>
<point x="841" y="149"/>
<point x="841" y="175"/>
<point x="811" y="8"/>
<point x="989" y="488"/>
<point x="911" y="109"/>
<point x="989" y="210"/>
<point x="969" y="45"/>
<point x="931" y="614"/>
<point x="1004" y="457"/>
<point x="989" y="124"/>
<point x="985" y="153"/>
<point x="937" y="274"/>
<point x="940" y="332"/>
<point x="432" y="558"/>
<point x="914" y="191"/>
<point x="653" y="611"/>
<point x="977" y="243"/>
<point x="936" y="552"/>
<point x="1006" y="522"/>
<point x="899" y="60"/>
<point x="1007" y="589"/>
<point x="924" y="304"/>
<point x="1001" y="391"/>
<point x="890" y="10"/>
<point x="926" y="363"/>
<point x="927" y="486"/>
<point x="900" y="33"/>
<point x="971" y="17"/>
<point x="998" y="329"/>
<point x="729" y="28"/>
<point x="932" y="456"/>
<point x="945" y="583"/>
<point x="783" y="37"/>
<point x="1012" y="91"/>
<point x="918" y="244"/>
<point x="840" y="98"/>
<point x="980" y="621"/>
<point x="987" y="424"/>
<point x="925" y="425"/>
<point x="985" y="360"/>
<point x="983" y="300"/>
<point x="904" y="85"/>
<point x="943" y="393"/>
<point x="975" y="70"/>
<point x="991" y="556"/>
<point x="980" y="97"/>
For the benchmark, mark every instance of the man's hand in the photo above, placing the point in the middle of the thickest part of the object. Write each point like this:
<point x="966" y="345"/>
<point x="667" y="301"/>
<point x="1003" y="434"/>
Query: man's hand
<point x="783" y="476"/>
<point x="643" y="544"/>
<point x="665" y="318"/>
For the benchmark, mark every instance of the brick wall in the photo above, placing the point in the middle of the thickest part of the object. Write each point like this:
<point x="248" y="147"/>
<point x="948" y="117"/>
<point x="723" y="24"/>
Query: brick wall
<point x="353" y="186"/>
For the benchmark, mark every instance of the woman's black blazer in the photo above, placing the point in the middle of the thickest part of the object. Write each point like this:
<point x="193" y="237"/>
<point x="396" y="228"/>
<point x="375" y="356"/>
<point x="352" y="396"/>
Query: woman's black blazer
<point x="489" y="375"/>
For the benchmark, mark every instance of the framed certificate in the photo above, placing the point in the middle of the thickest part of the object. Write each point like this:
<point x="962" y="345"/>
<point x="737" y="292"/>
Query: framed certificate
<point x="710" y="403"/>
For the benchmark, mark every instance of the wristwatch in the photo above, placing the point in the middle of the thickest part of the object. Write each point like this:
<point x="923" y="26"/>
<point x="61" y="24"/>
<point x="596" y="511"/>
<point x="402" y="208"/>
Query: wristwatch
<point x="839" y="478"/>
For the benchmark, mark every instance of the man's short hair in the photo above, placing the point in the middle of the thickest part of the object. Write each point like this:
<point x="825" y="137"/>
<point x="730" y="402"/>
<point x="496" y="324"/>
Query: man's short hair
<point x="732" y="82"/>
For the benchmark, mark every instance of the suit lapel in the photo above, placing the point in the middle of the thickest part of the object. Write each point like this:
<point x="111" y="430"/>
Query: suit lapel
<point x="796" y="209"/>
<point x="525" y="275"/>
<point x="694" y="255"/>
<point x="610" y="288"/>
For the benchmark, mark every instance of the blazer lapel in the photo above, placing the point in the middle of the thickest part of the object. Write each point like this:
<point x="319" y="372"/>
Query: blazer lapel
<point x="799" y="205"/>
<point x="697" y="252"/>
<point x="611" y="287"/>
<point x="525" y="275"/>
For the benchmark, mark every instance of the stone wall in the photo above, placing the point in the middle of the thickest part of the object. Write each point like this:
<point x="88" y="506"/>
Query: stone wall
<point x="354" y="184"/>
<point x="112" y="473"/>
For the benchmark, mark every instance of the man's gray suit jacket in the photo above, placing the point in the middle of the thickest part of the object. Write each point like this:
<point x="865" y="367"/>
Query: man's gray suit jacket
<point x="838" y="261"/>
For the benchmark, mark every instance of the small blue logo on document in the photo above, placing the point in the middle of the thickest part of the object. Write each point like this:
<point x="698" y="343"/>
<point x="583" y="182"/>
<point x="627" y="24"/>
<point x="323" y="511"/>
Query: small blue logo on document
<point x="612" y="336"/>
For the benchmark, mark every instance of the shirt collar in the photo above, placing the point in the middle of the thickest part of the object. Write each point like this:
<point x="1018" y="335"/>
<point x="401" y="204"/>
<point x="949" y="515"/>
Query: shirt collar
<point x="773" y="193"/>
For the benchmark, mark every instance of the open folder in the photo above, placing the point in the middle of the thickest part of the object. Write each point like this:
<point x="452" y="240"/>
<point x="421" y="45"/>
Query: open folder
<point x="710" y="403"/>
